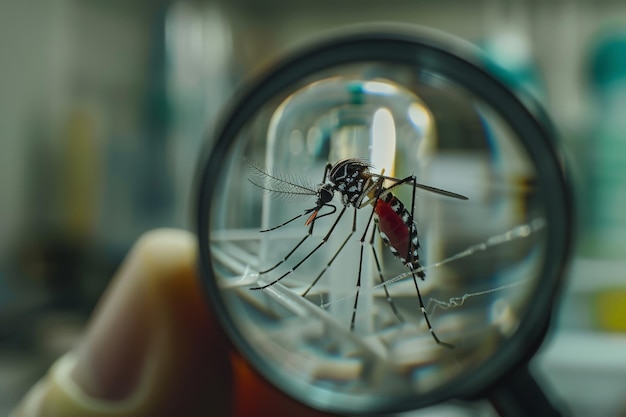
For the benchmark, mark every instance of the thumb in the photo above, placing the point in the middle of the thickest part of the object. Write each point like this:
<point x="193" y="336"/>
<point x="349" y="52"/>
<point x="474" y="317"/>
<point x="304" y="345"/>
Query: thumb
<point x="151" y="349"/>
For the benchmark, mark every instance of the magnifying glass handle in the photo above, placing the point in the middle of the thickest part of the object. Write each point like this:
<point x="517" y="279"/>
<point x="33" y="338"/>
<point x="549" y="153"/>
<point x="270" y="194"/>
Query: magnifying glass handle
<point x="519" y="395"/>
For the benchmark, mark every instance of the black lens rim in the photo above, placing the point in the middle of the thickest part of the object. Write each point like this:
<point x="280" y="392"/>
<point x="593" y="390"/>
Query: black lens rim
<point x="459" y="62"/>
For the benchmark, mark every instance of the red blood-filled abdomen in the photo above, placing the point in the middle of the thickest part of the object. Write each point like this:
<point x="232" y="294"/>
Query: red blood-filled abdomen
<point x="391" y="226"/>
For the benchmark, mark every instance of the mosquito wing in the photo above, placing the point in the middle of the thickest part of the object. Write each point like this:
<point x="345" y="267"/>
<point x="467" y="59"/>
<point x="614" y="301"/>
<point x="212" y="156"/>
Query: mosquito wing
<point x="435" y="190"/>
<point x="286" y="186"/>
<point x="440" y="191"/>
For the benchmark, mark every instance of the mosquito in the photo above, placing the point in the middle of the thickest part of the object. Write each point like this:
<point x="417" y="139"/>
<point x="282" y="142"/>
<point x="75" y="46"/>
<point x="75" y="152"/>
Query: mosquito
<point x="358" y="187"/>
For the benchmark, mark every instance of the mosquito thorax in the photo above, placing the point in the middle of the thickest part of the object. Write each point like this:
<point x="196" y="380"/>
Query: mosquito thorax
<point x="350" y="177"/>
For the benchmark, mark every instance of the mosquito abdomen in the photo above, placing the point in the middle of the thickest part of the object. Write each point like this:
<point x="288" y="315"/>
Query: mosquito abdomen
<point x="398" y="231"/>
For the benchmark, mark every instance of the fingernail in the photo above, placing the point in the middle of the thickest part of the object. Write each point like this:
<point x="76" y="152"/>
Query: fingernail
<point x="112" y="357"/>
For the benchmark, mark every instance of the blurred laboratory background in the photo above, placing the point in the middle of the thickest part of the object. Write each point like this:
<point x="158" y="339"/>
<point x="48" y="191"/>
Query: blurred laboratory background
<point x="105" y="106"/>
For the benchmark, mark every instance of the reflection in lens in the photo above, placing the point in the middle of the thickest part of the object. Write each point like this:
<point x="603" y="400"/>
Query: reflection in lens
<point x="480" y="258"/>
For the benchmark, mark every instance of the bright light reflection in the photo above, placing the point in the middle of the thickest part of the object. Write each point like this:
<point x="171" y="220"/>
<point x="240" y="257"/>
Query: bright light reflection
<point x="383" y="143"/>
<point x="296" y="142"/>
<point x="419" y="116"/>
<point x="377" y="87"/>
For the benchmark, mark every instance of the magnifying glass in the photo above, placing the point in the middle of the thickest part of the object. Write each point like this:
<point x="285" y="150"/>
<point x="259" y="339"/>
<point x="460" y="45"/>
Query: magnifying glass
<point x="383" y="226"/>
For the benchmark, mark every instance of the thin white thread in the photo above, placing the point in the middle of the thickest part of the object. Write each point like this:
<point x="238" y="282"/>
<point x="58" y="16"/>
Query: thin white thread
<point x="518" y="232"/>
<point x="456" y="302"/>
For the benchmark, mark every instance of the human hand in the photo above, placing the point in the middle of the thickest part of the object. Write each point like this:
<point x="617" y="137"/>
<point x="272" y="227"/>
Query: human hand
<point x="153" y="348"/>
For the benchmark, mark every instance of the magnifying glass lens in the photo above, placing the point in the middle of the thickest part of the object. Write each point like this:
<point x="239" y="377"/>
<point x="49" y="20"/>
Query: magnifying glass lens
<point x="376" y="231"/>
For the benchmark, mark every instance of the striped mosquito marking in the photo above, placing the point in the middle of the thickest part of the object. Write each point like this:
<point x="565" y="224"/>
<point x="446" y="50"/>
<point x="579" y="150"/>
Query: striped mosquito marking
<point x="398" y="231"/>
<point x="357" y="188"/>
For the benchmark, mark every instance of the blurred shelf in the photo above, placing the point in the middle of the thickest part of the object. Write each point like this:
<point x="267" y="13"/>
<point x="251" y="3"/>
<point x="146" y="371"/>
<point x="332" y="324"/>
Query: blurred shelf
<point x="602" y="352"/>
<point x="586" y="370"/>
<point x="590" y="275"/>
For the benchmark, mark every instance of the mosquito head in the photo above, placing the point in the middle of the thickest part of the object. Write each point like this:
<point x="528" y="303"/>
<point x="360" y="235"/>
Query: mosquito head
<point x="325" y="194"/>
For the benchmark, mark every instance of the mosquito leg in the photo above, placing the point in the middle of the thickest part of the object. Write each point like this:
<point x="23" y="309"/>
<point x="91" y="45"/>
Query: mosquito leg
<point x="413" y="232"/>
<point x="309" y="233"/>
<point x="334" y="256"/>
<point x="358" y="287"/>
<point x="413" y="229"/>
<point x="421" y="275"/>
<point x="358" y="280"/>
<point x="324" y="240"/>
<point x="423" y="310"/>
<point x="326" y="171"/>
<point x="309" y="211"/>
<point x="382" y="280"/>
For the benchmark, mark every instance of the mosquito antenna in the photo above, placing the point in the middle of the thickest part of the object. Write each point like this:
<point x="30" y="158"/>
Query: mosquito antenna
<point x="282" y="185"/>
